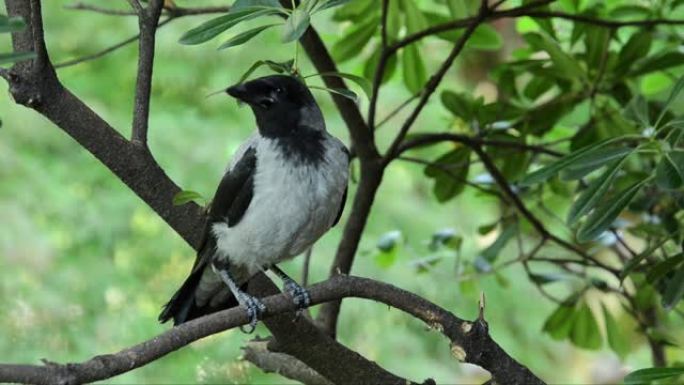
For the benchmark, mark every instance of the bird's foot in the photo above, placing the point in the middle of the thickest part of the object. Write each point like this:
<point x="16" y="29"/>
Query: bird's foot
<point x="255" y="309"/>
<point x="299" y="294"/>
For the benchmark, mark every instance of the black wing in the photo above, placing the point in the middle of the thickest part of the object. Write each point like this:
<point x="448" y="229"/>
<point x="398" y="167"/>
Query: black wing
<point x="235" y="191"/>
<point x="344" y="195"/>
<point x="231" y="199"/>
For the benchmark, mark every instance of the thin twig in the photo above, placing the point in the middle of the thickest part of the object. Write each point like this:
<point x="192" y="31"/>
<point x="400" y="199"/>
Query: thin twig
<point x="434" y="81"/>
<point x="432" y="138"/>
<point x="452" y="175"/>
<point x="397" y="110"/>
<point x="102" y="10"/>
<point x="135" y="4"/>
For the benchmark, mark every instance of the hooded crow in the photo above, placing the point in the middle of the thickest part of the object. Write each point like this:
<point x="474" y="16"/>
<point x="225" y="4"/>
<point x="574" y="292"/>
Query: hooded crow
<point x="285" y="187"/>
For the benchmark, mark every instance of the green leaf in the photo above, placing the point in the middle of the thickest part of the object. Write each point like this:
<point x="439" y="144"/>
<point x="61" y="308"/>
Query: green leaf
<point x="450" y="172"/>
<point x="662" y="268"/>
<point x="559" y="324"/>
<point x="646" y="376"/>
<point x="11" y="24"/>
<point x="413" y="69"/>
<point x="185" y="196"/>
<point x="576" y="157"/>
<point x="658" y="62"/>
<point x="596" y="190"/>
<point x="593" y="161"/>
<point x="676" y="89"/>
<point x="415" y="20"/>
<point x="214" y="27"/>
<point x="284" y="67"/>
<point x="485" y="38"/>
<point x="365" y="85"/>
<point x="670" y="170"/>
<point x="296" y="25"/>
<point x="330" y="4"/>
<point x="585" y="332"/>
<point x="597" y="40"/>
<point x="674" y="289"/>
<point x="459" y="104"/>
<point x="352" y="43"/>
<point x="372" y="65"/>
<point x="636" y="48"/>
<point x="14" y="57"/>
<point x="491" y="253"/>
<point x="634" y="262"/>
<point x="654" y="83"/>
<point x="339" y="91"/>
<point x="566" y="66"/>
<point x="244" y="37"/>
<point x="243" y="4"/>
<point x="604" y="215"/>
<point x="616" y="339"/>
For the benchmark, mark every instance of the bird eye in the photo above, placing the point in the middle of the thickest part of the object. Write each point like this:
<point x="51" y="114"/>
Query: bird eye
<point x="279" y="90"/>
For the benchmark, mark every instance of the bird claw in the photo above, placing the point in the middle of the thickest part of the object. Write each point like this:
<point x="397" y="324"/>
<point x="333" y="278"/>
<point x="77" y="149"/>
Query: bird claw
<point x="299" y="295"/>
<point x="255" y="309"/>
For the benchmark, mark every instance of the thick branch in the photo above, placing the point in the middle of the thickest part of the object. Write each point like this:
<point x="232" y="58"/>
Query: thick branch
<point x="148" y="19"/>
<point x="470" y="341"/>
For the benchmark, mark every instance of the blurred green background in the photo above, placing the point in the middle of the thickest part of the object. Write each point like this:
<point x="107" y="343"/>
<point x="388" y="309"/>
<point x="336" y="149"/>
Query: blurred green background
<point x="85" y="266"/>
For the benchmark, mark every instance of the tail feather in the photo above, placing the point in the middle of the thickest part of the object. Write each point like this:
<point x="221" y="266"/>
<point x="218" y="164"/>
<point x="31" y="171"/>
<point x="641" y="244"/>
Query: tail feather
<point x="182" y="307"/>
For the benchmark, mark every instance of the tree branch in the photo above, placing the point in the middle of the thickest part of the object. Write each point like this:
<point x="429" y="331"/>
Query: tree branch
<point x="430" y="138"/>
<point x="148" y="19"/>
<point x="470" y="341"/>
<point x="436" y="78"/>
<point x="283" y="364"/>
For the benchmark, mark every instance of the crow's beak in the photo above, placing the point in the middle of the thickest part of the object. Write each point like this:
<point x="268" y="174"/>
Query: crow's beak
<point x="250" y="95"/>
<point x="239" y="92"/>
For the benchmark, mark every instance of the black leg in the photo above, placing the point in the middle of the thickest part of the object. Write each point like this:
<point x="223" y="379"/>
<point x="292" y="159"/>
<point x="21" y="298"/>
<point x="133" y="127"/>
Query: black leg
<point x="252" y="305"/>
<point x="299" y="294"/>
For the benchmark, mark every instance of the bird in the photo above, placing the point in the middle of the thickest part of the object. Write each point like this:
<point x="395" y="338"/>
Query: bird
<point x="284" y="188"/>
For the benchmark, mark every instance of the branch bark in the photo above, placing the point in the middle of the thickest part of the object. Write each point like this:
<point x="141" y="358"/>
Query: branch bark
<point x="470" y="341"/>
<point x="148" y="19"/>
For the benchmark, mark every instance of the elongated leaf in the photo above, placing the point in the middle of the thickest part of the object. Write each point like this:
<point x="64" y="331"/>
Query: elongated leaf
<point x="296" y="25"/>
<point x="593" y="161"/>
<point x="284" y="67"/>
<point x="413" y="69"/>
<point x="634" y="262"/>
<point x="560" y="322"/>
<point x="185" y="196"/>
<point x="491" y="253"/>
<point x="674" y="290"/>
<point x="670" y="170"/>
<point x="352" y="44"/>
<point x="662" y="268"/>
<point x="676" y="89"/>
<point x="339" y="91"/>
<point x="330" y="4"/>
<point x="15" y="57"/>
<point x="636" y="48"/>
<point x="459" y="104"/>
<point x="616" y="339"/>
<point x="485" y="38"/>
<point x="603" y="216"/>
<point x="646" y="376"/>
<point x="566" y="66"/>
<point x="596" y="190"/>
<point x="244" y="37"/>
<point x="585" y="332"/>
<point x="214" y="27"/>
<point x="364" y="83"/>
<point x="577" y="156"/>
<point x="244" y="4"/>
<point x="450" y="172"/>
<point x="658" y="62"/>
